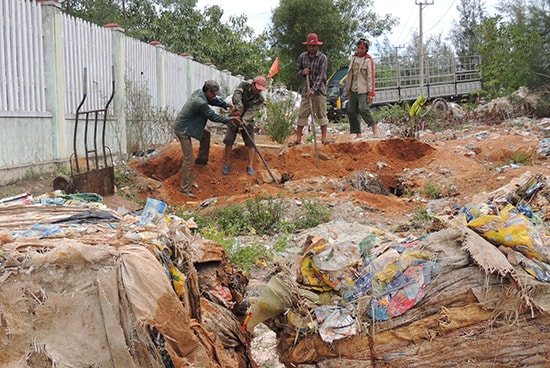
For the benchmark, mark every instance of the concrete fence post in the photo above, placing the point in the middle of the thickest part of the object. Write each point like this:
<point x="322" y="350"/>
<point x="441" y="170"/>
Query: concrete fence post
<point x="119" y="100"/>
<point x="54" y="66"/>
<point x="160" y="68"/>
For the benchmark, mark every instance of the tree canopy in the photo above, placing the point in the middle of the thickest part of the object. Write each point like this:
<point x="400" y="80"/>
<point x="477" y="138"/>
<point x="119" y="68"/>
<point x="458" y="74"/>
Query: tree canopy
<point x="515" y="47"/>
<point x="513" y="44"/>
<point x="337" y="23"/>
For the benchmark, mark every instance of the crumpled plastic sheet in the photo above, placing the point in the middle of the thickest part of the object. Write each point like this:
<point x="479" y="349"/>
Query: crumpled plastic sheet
<point x="513" y="227"/>
<point x="335" y="323"/>
<point x="393" y="277"/>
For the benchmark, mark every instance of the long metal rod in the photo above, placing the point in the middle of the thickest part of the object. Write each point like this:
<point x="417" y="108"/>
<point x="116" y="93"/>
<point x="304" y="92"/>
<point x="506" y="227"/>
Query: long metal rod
<point x="313" y="124"/>
<point x="260" y="154"/>
<point x="85" y="93"/>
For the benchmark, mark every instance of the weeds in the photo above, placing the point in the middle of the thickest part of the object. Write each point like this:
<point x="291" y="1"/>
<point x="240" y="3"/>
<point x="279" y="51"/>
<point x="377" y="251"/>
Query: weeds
<point x="314" y="213"/>
<point x="247" y="256"/>
<point x="146" y="123"/>
<point x="261" y="216"/>
<point x="422" y="218"/>
<point x="124" y="180"/>
<point x="519" y="158"/>
<point x="432" y="190"/>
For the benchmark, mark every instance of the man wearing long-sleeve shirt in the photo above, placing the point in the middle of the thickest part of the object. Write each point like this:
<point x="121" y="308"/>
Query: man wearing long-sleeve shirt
<point x="312" y="65"/>
<point x="191" y="123"/>
<point x="248" y="102"/>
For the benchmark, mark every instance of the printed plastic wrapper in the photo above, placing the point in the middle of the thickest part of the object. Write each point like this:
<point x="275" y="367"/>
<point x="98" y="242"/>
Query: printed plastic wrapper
<point x="512" y="229"/>
<point x="153" y="212"/>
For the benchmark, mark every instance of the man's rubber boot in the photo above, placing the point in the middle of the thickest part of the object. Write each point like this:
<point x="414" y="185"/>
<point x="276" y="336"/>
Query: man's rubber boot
<point x="375" y="130"/>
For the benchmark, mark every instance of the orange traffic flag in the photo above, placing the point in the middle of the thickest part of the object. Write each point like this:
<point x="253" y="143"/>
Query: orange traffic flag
<point x="274" y="68"/>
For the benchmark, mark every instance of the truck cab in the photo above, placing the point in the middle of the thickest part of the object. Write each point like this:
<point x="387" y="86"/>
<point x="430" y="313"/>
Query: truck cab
<point x="337" y="100"/>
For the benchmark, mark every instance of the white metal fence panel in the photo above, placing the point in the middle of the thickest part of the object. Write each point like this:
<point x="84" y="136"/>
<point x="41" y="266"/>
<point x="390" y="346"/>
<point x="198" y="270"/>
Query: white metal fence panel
<point x="43" y="55"/>
<point x="21" y="67"/>
<point x="89" y="46"/>
<point x="177" y="81"/>
<point x="141" y="68"/>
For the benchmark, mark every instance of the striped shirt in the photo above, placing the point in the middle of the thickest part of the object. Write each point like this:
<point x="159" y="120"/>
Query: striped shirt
<point x="317" y="72"/>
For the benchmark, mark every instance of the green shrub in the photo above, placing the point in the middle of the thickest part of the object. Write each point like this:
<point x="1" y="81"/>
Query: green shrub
<point x="433" y="190"/>
<point x="280" y="117"/>
<point x="422" y="218"/>
<point x="314" y="213"/>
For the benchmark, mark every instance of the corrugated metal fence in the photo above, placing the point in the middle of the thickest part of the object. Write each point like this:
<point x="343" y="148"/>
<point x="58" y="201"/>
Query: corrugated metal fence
<point x="43" y="55"/>
<point x="21" y="72"/>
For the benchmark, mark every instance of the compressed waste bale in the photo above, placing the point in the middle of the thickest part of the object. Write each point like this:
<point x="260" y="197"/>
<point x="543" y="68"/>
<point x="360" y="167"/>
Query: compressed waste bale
<point x="105" y="291"/>
<point x="478" y="309"/>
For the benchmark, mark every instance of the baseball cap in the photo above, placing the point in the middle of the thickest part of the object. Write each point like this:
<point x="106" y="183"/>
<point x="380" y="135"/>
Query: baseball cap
<point x="260" y="82"/>
<point x="213" y="86"/>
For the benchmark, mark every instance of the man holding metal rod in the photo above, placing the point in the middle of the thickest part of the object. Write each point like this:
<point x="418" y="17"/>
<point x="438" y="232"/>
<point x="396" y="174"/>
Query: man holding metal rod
<point x="312" y="65"/>
<point x="248" y="102"/>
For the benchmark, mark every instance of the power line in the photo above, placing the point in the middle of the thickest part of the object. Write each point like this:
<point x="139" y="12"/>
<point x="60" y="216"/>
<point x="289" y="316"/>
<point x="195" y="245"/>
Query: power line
<point x="443" y="16"/>
<point x="404" y="26"/>
<point x="421" y="5"/>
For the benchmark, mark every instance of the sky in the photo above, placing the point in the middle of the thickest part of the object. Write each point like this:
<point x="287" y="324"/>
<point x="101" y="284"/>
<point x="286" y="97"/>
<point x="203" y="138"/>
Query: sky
<point x="436" y="18"/>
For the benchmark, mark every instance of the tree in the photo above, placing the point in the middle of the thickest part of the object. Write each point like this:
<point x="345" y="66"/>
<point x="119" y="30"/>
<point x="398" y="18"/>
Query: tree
<point x="515" y="47"/>
<point x="99" y="12"/>
<point x="337" y="23"/>
<point x="466" y="38"/>
<point x="231" y="46"/>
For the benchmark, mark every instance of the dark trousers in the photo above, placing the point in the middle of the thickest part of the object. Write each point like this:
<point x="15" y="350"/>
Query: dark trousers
<point x="186" y="183"/>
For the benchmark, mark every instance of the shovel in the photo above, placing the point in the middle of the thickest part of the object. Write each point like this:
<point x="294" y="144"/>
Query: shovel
<point x="260" y="154"/>
<point x="312" y="123"/>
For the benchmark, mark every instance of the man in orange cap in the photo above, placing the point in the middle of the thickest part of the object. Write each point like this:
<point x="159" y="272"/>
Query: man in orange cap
<point x="247" y="102"/>
<point x="312" y="65"/>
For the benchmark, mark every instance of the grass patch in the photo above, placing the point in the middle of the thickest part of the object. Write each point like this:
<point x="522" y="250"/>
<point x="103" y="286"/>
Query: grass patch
<point x="422" y="218"/>
<point x="432" y="190"/>
<point x="519" y="158"/>
<point x="262" y="216"/>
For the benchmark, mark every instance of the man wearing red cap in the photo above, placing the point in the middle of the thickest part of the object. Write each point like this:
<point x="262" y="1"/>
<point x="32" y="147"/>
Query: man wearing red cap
<point x="312" y="65"/>
<point x="247" y="102"/>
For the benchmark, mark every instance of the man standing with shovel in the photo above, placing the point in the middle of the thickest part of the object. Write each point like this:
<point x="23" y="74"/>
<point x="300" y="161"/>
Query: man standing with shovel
<point x="312" y="65"/>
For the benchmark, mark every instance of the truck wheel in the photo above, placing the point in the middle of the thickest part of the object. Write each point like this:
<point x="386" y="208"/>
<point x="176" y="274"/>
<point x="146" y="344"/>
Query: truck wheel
<point x="440" y="105"/>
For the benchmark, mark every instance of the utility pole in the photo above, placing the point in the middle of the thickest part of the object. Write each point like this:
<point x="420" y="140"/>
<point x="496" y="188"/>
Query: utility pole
<point x="421" y="5"/>
<point x="397" y="68"/>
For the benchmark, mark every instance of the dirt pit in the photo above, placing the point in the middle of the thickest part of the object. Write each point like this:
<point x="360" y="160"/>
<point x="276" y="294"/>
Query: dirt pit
<point x="457" y="164"/>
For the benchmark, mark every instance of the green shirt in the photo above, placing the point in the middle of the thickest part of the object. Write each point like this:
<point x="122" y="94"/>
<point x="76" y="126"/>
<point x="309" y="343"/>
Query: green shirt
<point x="192" y="118"/>
<point x="248" y="103"/>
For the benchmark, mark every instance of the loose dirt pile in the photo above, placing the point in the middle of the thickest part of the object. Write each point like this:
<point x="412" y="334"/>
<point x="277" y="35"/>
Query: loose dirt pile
<point x="459" y="164"/>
